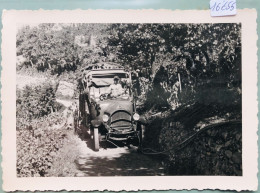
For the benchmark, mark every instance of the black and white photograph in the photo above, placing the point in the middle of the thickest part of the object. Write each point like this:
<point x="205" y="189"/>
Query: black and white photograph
<point x="130" y="99"/>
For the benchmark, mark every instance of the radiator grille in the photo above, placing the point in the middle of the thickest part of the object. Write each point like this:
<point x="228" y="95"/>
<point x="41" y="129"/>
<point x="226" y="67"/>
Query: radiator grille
<point x="121" y="119"/>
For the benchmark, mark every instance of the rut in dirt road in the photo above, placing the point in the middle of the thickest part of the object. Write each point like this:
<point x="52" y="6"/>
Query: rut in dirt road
<point x="121" y="161"/>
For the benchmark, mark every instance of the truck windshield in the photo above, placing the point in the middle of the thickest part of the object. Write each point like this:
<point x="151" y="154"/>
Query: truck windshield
<point x="105" y="80"/>
<point x="110" y="75"/>
<point x="101" y="85"/>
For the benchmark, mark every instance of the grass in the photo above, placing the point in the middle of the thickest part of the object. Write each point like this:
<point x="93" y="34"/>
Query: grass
<point x="62" y="164"/>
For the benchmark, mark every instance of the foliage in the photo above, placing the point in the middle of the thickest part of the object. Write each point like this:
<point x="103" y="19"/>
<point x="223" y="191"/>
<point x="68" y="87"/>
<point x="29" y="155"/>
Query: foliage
<point x="40" y="131"/>
<point x="38" y="144"/>
<point x="197" y="54"/>
<point x="181" y="59"/>
<point x="35" y="102"/>
<point x="200" y="44"/>
<point x="63" y="164"/>
<point x="59" y="47"/>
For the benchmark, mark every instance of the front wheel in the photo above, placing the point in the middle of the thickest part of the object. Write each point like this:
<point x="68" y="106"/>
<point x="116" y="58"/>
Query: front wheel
<point x="96" y="139"/>
<point x="140" y="134"/>
<point x="76" y="121"/>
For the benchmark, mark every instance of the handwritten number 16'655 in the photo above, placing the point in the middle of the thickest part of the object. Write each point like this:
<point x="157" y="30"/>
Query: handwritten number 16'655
<point x="225" y="5"/>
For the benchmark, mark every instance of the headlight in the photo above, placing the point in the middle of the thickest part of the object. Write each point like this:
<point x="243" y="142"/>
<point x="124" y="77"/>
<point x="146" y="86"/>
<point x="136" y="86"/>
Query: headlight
<point x="136" y="117"/>
<point x="105" y="118"/>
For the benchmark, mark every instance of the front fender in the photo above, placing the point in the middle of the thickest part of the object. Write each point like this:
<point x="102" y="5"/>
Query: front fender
<point x="96" y="123"/>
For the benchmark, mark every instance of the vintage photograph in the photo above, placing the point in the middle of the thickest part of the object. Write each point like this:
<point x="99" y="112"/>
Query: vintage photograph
<point x="128" y="99"/>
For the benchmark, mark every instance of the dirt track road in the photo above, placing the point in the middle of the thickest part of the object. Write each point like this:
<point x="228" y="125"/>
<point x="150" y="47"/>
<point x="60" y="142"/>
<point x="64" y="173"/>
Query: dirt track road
<point x="113" y="161"/>
<point x="120" y="161"/>
<point x="109" y="161"/>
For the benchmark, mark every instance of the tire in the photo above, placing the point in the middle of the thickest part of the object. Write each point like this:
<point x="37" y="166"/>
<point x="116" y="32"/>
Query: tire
<point x="140" y="136"/>
<point x="96" y="139"/>
<point x="82" y="113"/>
<point x="76" y="122"/>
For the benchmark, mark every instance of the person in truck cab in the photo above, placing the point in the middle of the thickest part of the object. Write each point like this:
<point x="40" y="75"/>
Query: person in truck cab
<point x="115" y="89"/>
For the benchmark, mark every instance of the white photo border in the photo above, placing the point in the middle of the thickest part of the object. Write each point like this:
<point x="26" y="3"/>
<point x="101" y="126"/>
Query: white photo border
<point x="249" y="181"/>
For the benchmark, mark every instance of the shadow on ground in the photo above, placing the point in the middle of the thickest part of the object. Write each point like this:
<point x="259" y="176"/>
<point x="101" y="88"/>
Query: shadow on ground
<point x="121" y="161"/>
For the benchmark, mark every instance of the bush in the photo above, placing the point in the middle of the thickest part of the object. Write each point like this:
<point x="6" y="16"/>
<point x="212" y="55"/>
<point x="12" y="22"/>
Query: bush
<point x="34" y="102"/>
<point x="37" y="145"/>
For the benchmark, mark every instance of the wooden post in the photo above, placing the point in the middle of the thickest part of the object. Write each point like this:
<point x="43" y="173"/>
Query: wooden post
<point x="179" y="80"/>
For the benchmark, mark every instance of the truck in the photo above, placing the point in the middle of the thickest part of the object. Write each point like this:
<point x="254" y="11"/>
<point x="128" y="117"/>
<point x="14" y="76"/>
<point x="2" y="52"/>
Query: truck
<point x="104" y="116"/>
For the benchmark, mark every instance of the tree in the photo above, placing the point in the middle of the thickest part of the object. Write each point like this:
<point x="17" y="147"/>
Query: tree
<point x="201" y="54"/>
<point x="55" y="47"/>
